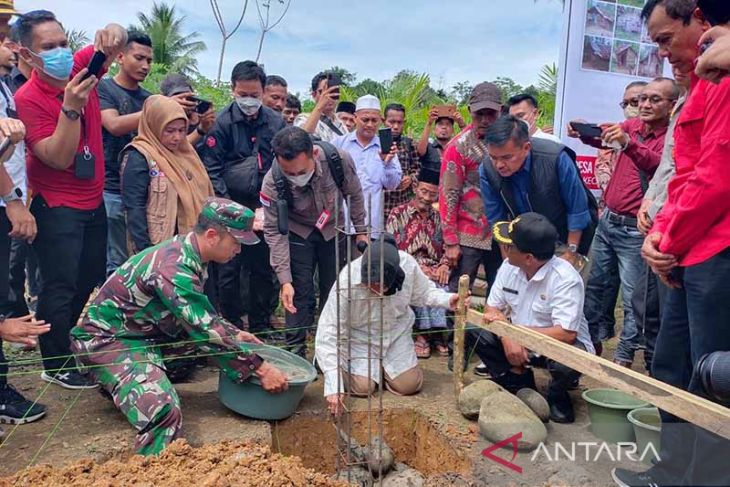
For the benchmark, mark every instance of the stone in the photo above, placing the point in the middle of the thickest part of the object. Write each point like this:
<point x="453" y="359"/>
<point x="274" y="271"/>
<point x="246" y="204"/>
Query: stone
<point x="470" y="399"/>
<point x="403" y="476"/>
<point x="358" y="476"/>
<point x="536" y="402"/>
<point x="502" y="415"/>
<point x="379" y="457"/>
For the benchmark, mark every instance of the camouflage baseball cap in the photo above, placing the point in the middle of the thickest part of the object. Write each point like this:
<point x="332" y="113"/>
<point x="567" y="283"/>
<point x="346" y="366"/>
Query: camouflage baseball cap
<point x="235" y="217"/>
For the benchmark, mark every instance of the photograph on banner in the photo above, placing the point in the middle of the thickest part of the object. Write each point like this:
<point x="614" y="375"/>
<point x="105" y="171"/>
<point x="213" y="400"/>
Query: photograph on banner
<point x="616" y="41"/>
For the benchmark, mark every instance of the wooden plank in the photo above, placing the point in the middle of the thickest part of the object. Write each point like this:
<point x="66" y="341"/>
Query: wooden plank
<point x="459" y="327"/>
<point x="697" y="410"/>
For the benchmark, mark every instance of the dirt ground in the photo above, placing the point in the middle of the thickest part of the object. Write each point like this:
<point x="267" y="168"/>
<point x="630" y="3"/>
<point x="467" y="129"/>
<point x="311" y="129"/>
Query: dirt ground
<point x="426" y="432"/>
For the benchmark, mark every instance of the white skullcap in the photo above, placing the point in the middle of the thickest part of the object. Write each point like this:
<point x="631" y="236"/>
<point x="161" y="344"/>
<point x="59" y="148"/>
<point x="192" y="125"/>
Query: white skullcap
<point x="367" y="102"/>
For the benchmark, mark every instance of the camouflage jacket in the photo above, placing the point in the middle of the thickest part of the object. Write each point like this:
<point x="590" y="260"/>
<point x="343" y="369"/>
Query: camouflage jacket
<point x="153" y="299"/>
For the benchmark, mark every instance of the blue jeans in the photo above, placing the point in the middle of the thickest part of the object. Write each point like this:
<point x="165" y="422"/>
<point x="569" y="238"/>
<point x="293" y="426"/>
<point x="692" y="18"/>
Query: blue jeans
<point x="614" y="247"/>
<point x="695" y="321"/>
<point x="116" y="249"/>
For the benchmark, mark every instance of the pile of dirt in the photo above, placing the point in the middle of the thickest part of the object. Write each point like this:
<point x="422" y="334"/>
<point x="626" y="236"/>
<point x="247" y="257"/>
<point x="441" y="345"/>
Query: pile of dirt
<point x="226" y="464"/>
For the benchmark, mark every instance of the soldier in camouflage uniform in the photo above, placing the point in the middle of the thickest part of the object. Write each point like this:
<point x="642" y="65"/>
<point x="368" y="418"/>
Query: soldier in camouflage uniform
<point x="154" y="299"/>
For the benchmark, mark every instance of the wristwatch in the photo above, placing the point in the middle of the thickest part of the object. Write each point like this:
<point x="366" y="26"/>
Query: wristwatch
<point x="573" y="248"/>
<point x="15" y="194"/>
<point x="70" y="114"/>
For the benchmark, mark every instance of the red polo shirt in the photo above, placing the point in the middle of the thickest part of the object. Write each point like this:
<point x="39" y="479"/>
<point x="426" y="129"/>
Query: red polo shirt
<point x="623" y="194"/>
<point x="39" y="106"/>
<point x="695" y="221"/>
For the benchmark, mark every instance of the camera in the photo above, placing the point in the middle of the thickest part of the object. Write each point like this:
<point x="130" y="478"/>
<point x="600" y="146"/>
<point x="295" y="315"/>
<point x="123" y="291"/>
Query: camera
<point x="713" y="371"/>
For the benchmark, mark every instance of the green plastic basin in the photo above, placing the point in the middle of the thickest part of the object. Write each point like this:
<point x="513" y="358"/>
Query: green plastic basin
<point x="251" y="400"/>
<point x="647" y="428"/>
<point x="607" y="409"/>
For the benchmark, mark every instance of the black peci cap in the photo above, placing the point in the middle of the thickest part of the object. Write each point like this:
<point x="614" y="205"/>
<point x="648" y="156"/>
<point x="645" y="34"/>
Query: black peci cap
<point x="531" y="233"/>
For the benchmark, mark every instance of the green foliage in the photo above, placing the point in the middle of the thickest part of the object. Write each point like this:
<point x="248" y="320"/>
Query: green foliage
<point x="170" y="46"/>
<point x="77" y="39"/>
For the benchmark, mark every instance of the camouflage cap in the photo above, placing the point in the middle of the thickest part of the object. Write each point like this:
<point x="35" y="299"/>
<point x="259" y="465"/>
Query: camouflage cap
<point x="235" y="217"/>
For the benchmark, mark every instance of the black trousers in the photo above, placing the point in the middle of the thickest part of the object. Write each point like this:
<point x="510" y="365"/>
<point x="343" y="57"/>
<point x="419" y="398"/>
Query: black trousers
<point x="488" y="348"/>
<point x="695" y="322"/>
<point x="246" y="285"/>
<point x="306" y="256"/>
<point x="23" y="264"/>
<point x="469" y="263"/>
<point x="5" y="304"/>
<point x="71" y="252"/>
<point x="649" y="295"/>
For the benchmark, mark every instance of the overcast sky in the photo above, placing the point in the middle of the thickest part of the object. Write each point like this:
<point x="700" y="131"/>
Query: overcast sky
<point x="464" y="40"/>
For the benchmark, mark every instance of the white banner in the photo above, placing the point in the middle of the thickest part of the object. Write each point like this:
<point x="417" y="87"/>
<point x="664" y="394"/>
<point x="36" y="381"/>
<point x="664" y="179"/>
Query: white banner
<point x="604" y="47"/>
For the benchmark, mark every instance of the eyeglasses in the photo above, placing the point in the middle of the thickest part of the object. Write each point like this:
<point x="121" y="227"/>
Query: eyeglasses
<point x="655" y="99"/>
<point x="634" y="102"/>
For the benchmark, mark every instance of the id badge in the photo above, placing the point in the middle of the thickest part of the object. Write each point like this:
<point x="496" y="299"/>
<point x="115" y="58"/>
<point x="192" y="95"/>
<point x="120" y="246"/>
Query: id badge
<point x="85" y="164"/>
<point x="324" y="217"/>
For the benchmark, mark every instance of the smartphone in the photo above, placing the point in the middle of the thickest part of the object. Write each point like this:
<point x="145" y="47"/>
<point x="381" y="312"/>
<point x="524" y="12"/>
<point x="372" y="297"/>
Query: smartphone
<point x="333" y="79"/>
<point x="448" y="111"/>
<point x="588" y="130"/>
<point x="203" y="105"/>
<point x="386" y="139"/>
<point x="95" y="65"/>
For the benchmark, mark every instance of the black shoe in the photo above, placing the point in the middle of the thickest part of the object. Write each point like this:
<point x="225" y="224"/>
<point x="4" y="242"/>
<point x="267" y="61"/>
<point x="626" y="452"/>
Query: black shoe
<point x="514" y="382"/>
<point x="628" y="478"/>
<point x="16" y="409"/>
<point x="561" y="407"/>
<point x="450" y="364"/>
<point x="574" y="385"/>
<point x="70" y="380"/>
<point x="481" y="370"/>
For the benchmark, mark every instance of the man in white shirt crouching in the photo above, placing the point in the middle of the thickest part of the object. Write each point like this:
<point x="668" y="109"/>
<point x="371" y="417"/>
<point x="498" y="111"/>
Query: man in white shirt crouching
<point x="536" y="289"/>
<point x="359" y="369"/>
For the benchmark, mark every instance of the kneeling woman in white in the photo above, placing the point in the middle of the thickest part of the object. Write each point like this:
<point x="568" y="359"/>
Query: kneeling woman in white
<point x="404" y="285"/>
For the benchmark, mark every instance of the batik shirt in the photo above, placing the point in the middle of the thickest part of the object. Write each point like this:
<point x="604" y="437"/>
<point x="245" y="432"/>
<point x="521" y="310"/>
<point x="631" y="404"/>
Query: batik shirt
<point x="418" y="235"/>
<point x="410" y="164"/>
<point x="155" y="298"/>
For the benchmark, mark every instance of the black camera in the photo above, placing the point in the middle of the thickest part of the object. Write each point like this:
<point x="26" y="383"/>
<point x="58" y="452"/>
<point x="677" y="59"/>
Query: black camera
<point x="713" y="371"/>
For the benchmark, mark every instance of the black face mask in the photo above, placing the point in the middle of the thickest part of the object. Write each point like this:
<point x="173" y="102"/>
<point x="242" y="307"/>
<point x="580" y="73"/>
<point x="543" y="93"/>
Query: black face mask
<point x="397" y="284"/>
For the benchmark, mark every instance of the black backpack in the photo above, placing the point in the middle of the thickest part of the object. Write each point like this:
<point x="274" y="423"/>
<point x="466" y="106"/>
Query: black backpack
<point x="283" y="190"/>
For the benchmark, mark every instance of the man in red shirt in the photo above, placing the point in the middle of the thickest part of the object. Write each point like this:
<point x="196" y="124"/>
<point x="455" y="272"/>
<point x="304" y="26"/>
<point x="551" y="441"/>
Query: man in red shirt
<point x="689" y="248"/>
<point x="617" y="243"/>
<point x="65" y="163"/>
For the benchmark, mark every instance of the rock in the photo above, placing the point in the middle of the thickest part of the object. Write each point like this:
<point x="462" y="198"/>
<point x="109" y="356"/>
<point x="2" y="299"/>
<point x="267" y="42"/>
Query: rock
<point x="355" y="475"/>
<point x="470" y="399"/>
<point x="502" y="416"/>
<point x="536" y="402"/>
<point x="479" y="288"/>
<point x="379" y="458"/>
<point x="403" y="476"/>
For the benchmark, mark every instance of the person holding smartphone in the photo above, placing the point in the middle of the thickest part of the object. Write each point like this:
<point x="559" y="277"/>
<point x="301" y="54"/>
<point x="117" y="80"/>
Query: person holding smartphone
<point x="322" y="122"/>
<point x="65" y="161"/>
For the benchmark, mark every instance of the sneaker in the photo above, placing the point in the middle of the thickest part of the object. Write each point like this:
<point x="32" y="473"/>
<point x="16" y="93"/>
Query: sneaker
<point x="628" y="478"/>
<point x="16" y="409"/>
<point x="70" y="380"/>
<point x="481" y="370"/>
<point x="514" y="382"/>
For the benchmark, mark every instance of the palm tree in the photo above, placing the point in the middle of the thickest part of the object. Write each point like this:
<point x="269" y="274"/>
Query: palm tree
<point x="170" y="46"/>
<point x="77" y="39"/>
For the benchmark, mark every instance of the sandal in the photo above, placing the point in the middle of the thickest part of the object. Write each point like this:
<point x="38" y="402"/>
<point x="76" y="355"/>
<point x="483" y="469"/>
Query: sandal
<point x="423" y="349"/>
<point x="442" y="350"/>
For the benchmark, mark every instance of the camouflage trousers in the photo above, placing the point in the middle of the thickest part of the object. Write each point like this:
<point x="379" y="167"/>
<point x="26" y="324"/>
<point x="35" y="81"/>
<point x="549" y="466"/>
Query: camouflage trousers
<point x="139" y="386"/>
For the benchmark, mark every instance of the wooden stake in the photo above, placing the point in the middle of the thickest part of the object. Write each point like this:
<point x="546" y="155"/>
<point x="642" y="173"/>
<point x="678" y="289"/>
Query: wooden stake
<point x="697" y="410"/>
<point x="459" y="327"/>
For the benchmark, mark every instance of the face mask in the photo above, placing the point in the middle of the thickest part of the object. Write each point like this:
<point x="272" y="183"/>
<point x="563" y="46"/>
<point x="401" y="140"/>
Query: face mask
<point x="301" y="180"/>
<point x="248" y="105"/>
<point x="527" y="124"/>
<point x="57" y="63"/>
<point x="631" y="112"/>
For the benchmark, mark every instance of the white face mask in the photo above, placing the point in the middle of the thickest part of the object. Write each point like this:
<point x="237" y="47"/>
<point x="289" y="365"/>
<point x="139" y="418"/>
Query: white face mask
<point x="631" y="112"/>
<point x="302" y="179"/>
<point x="248" y="105"/>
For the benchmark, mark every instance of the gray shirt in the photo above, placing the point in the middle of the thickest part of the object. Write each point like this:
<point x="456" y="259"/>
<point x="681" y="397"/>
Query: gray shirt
<point x="657" y="190"/>
<point x="315" y="200"/>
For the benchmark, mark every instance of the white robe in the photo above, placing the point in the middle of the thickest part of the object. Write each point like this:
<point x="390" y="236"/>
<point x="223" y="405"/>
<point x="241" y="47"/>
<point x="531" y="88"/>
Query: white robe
<point x="398" y="354"/>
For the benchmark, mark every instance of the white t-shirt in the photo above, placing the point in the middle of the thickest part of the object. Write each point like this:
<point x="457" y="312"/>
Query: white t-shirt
<point x="553" y="297"/>
<point x="539" y="134"/>
<point x="15" y="166"/>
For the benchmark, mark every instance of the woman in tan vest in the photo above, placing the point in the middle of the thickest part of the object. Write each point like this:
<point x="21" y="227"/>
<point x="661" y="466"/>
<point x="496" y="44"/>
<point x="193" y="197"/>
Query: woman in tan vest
<point x="164" y="183"/>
